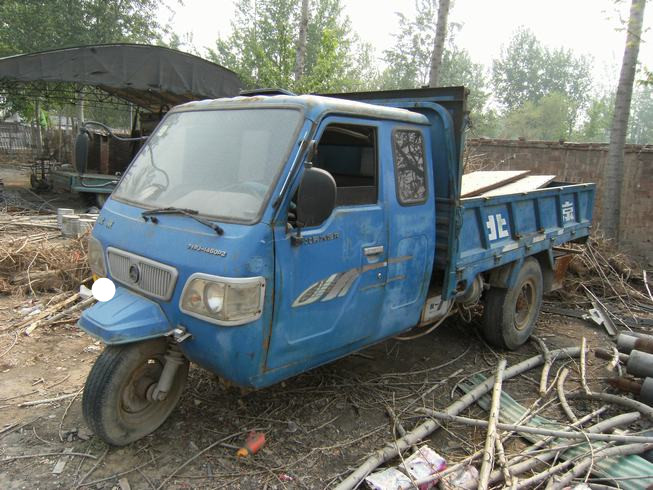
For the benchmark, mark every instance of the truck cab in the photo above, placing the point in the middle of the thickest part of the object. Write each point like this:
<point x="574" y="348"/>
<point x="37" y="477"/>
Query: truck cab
<point x="262" y="236"/>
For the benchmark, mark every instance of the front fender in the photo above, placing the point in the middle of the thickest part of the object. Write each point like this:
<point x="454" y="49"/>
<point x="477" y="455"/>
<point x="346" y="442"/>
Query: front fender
<point x="126" y="318"/>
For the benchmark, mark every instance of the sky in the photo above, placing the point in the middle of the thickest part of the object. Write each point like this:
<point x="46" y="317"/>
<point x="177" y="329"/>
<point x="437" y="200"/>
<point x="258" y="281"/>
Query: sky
<point x="585" y="26"/>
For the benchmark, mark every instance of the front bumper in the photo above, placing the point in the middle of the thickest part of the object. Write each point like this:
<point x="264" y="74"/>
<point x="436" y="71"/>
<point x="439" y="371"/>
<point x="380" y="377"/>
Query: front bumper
<point x="126" y="318"/>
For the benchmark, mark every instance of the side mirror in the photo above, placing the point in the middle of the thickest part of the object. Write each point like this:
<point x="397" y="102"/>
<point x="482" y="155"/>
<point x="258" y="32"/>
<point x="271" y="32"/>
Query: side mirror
<point x="316" y="197"/>
<point x="82" y="143"/>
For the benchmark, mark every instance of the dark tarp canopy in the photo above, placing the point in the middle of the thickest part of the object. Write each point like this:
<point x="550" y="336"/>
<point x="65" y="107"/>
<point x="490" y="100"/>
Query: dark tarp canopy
<point x="147" y="76"/>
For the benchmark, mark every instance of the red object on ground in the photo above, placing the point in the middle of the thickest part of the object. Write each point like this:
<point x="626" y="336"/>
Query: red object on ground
<point x="253" y="443"/>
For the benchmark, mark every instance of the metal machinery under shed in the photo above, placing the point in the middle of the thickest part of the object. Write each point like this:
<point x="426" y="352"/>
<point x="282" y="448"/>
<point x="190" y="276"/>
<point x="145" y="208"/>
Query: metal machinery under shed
<point x="149" y="79"/>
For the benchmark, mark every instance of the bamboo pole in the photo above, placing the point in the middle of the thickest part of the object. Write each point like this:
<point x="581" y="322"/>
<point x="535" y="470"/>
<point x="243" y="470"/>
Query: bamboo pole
<point x="580" y="467"/>
<point x="420" y="432"/>
<point x="538" y="430"/>
<point x="517" y="465"/>
<point x="488" y="453"/>
<point x="616" y="399"/>
<point x="544" y="377"/>
<point x="563" y="399"/>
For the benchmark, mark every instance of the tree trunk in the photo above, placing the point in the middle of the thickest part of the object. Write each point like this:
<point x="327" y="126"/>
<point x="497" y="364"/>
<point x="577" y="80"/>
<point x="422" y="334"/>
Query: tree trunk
<point x="614" y="171"/>
<point x="438" y="43"/>
<point x="301" y="42"/>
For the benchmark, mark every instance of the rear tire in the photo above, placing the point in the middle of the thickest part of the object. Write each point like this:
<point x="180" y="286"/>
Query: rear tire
<point x="510" y="315"/>
<point x="115" y="403"/>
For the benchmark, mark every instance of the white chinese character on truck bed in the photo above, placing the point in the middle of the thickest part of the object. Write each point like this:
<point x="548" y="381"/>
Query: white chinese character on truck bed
<point x="568" y="212"/>
<point x="496" y="225"/>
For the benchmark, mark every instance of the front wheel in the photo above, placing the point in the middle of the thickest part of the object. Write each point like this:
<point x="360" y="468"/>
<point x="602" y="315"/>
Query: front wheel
<point x="117" y="403"/>
<point x="510" y="315"/>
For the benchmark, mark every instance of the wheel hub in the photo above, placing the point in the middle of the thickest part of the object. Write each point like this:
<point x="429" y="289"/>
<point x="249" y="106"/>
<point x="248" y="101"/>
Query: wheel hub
<point x="524" y="305"/>
<point x="136" y="396"/>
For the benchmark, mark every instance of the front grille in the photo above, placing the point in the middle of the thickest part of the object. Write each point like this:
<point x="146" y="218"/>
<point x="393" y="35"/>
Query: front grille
<point x="152" y="278"/>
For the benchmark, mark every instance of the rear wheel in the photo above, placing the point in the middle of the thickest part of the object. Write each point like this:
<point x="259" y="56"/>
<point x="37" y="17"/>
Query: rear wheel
<point x="117" y="402"/>
<point x="510" y="315"/>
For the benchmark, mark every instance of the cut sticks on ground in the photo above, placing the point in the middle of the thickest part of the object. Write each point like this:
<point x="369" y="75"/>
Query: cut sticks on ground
<point x="617" y="400"/>
<point x="396" y="424"/>
<point x="488" y="453"/>
<point x="72" y="309"/>
<point x="583" y="380"/>
<point x="544" y="350"/>
<point x="534" y="455"/>
<point x="420" y="432"/>
<point x="47" y="400"/>
<point x="582" y="466"/>
<point x="563" y="399"/>
<point x="497" y="475"/>
<point x="538" y="430"/>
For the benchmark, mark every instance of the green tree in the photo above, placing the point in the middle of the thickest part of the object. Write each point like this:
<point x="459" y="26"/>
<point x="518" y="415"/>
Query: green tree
<point x="28" y="26"/>
<point x="598" y="116"/>
<point x="545" y="119"/>
<point x="264" y="39"/>
<point x="409" y="62"/>
<point x="526" y="71"/>
<point x="640" y="127"/>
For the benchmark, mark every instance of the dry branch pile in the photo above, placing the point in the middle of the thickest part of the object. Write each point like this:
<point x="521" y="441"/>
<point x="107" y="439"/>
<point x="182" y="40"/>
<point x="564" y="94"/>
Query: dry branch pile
<point x="605" y="271"/>
<point x="35" y="258"/>
<point x="561" y="451"/>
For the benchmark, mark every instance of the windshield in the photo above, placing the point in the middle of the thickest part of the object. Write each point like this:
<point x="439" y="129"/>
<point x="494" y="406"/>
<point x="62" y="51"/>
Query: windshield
<point x="221" y="163"/>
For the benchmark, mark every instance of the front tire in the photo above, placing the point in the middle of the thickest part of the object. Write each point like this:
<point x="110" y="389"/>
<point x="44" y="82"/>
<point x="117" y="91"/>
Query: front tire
<point x="510" y="315"/>
<point x="115" y="402"/>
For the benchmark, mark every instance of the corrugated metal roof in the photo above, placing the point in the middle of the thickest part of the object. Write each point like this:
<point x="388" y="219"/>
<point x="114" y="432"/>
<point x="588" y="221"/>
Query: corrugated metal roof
<point x="623" y="469"/>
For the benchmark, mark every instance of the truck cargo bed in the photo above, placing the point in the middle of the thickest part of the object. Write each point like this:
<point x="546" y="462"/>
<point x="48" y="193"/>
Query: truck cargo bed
<point x="496" y="230"/>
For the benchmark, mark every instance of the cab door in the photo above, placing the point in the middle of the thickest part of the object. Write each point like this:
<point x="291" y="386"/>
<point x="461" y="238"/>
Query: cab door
<point x="329" y="280"/>
<point x="410" y="204"/>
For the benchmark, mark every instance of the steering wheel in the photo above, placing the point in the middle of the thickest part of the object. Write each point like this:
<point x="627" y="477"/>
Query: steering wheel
<point x="157" y="189"/>
<point x="253" y="188"/>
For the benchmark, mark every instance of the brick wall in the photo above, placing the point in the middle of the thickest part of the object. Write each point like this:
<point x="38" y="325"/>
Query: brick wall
<point x="581" y="162"/>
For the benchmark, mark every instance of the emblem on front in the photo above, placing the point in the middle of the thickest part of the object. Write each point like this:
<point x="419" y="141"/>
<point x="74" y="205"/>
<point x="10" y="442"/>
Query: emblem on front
<point x="134" y="273"/>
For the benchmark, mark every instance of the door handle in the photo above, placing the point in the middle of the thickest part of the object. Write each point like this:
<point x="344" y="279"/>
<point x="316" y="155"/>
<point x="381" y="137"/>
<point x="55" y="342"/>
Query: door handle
<point x="373" y="251"/>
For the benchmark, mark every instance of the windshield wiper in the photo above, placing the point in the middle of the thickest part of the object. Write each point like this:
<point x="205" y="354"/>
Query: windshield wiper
<point x="192" y="213"/>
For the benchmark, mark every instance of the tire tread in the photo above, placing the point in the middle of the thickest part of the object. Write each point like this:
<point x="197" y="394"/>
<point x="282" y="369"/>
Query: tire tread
<point x="94" y="395"/>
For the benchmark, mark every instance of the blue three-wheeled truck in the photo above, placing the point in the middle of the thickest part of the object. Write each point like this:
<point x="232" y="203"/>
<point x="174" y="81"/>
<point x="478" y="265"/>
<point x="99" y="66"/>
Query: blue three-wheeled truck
<point x="264" y="235"/>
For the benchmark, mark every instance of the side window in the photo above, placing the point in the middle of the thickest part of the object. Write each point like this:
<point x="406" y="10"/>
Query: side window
<point x="410" y="174"/>
<point x="348" y="152"/>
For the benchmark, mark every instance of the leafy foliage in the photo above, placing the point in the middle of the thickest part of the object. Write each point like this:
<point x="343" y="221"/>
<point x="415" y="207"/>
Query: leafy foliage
<point x="527" y="71"/>
<point x="408" y="62"/>
<point x="596" y="127"/>
<point x="640" y="127"/>
<point x="545" y="119"/>
<point x="261" y="48"/>
<point x="28" y="26"/>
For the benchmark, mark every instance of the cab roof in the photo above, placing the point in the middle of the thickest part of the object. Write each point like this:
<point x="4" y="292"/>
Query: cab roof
<point x="314" y="106"/>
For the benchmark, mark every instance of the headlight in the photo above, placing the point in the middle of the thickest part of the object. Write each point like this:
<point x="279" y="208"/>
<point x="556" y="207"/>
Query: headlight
<point x="223" y="300"/>
<point x="96" y="257"/>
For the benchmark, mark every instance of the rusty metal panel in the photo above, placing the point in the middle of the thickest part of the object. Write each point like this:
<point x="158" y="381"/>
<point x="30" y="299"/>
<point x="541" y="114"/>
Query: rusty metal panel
<point x="561" y="264"/>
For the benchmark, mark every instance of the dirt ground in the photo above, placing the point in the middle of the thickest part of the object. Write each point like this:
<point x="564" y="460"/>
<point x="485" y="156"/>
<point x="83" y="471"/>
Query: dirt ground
<point x="319" y="426"/>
